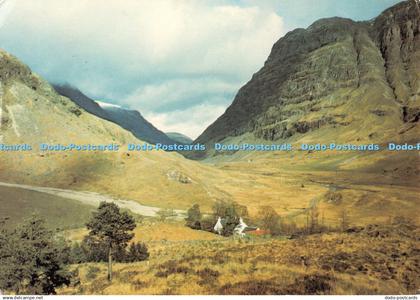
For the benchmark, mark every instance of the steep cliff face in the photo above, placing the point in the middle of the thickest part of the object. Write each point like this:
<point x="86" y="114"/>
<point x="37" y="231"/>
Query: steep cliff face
<point x="359" y="77"/>
<point x="396" y="32"/>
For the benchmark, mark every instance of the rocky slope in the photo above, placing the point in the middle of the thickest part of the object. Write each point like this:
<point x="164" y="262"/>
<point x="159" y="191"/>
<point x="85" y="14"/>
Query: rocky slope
<point x="130" y="120"/>
<point x="361" y="79"/>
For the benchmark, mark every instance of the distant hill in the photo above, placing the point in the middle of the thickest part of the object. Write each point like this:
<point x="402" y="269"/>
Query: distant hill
<point x="179" y="137"/>
<point x="134" y="122"/>
<point x="130" y="120"/>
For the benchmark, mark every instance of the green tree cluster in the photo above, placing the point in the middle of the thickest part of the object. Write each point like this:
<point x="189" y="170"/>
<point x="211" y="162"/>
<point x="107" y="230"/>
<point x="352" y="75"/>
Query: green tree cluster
<point x="32" y="259"/>
<point x="93" y="251"/>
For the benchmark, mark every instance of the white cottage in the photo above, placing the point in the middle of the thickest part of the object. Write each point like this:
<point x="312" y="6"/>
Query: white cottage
<point x="218" y="227"/>
<point x="240" y="228"/>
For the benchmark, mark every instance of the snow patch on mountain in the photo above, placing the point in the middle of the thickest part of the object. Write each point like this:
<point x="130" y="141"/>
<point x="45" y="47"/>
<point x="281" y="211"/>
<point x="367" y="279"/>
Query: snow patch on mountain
<point x="105" y="104"/>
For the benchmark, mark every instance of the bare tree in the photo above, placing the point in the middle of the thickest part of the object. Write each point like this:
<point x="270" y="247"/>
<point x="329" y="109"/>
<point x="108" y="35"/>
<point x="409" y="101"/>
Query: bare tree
<point x="313" y="219"/>
<point x="344" y="220"/>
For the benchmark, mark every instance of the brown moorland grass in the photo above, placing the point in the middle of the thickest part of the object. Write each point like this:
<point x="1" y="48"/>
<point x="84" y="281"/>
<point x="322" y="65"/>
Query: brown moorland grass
<point x="375" y="259"/>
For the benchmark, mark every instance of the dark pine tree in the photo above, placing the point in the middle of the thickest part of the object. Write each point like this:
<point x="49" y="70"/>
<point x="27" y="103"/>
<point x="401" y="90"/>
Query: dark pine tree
<point x="33" y="259"/>
<point x="112" y="227"/>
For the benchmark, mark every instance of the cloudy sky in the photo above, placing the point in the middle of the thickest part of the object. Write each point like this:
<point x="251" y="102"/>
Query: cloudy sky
<point x="178" y="62"/>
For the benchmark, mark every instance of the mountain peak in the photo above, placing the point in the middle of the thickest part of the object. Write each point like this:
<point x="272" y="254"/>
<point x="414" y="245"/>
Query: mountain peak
<point x="335" y="23"/>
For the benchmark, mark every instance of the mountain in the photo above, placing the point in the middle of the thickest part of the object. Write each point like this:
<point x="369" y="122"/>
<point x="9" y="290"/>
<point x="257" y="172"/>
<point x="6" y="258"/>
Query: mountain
<point x="32" y="112"/>
<point x="179" y="137"/>
<point x="134" y="122"/>
<point x="130" y="120"/>
<point x="338" y="80"/>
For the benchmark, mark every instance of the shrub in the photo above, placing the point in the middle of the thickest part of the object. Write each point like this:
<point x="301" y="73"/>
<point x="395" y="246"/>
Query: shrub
<point x="172" y="267"/>
<point x="138" y="284"/>
<point x="166" y="213"/>
<point x="314" y="284"/>
<point x="94" y="250"/>
<point x="193" y="219"/>
<point x="305" y="285"/>
<point x="268" y="219"/>
<point x="92" y="272"/>
<point x="137" y="252"/>
<point x="75" y="111"/>
<point x="253" y="287"/>
<point x="97" y="251"/>
<point x="333" y="197"/>
<point x="208" y="276"/>
<point x="77" y="254"/>
<point x="207" y="223"/>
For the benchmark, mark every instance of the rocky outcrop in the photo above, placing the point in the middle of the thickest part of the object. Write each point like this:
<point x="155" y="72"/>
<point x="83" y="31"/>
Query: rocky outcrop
<point x="18" y="81"/>
<point x="178" y="176"/>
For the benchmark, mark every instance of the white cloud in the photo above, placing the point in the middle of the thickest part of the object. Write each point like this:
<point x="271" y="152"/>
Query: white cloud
<point x="179" y="93"/>
<point x="190" y="121"/>
<point x="145" y="54"/>
<point x="6" y="7"/>
<point x="184" y="105"/>
<point x="186" y="36"/>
